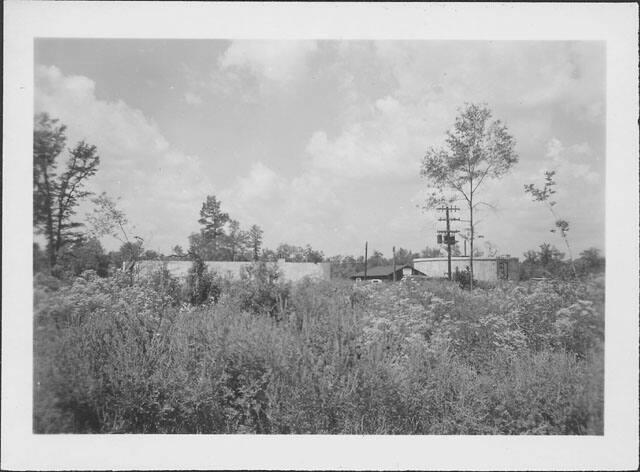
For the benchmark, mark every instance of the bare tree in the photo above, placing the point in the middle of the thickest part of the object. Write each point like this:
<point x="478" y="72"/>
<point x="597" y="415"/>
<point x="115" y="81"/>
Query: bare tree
<point x="543" y="195"/>
<point x="108" y="220"/>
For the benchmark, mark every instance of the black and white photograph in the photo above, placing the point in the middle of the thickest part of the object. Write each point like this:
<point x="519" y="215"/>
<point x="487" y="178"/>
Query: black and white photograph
<point x="333" y="236"/>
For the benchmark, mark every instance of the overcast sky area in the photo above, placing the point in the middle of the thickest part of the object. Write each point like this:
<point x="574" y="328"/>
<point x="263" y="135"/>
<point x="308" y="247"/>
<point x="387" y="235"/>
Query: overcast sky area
<point x="321" y="142"/>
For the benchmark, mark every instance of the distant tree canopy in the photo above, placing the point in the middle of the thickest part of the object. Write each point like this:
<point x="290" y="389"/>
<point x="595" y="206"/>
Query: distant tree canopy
<point x="57" y="192"/>
<point x="235" y="244"/>
<point x="545" y="262"/>
<point x="591" y="261"/>
<point x="87" y="255"/>
<point x="405" y="256"/>
<point x="293" y="253"/>
<point x="548" y="261"/>
<point x="221" y="237"/>
<point x="236" y="241"/>
<point x="430" y="252"/>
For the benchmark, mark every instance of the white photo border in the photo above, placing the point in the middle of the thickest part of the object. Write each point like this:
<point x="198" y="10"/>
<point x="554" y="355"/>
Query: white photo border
<point x="614" y="23"/>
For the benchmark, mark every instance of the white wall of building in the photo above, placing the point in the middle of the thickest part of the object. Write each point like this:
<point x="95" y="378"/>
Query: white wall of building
<point x="483" y="268"/>
<point x="290" y="270"/>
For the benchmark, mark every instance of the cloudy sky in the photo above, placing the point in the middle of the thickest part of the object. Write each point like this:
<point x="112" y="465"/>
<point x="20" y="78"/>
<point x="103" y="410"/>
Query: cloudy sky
<point x="320" y="142"/>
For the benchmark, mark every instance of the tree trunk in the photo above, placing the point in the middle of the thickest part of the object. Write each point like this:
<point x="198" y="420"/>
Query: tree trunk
<point x="58" y="237"/>
<point x="573" y="266"/>
<point x="51" y="252"/>
<point x="471" y="237"/>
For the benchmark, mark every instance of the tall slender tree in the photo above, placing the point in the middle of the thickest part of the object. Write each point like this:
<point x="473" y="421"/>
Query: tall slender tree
<point x="476" y="149"/>
<point x="544" y="195"/>
<point x="57" y="195"/>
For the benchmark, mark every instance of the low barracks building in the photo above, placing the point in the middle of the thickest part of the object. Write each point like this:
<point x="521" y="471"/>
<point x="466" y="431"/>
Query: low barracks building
<point x="386" y="273"/>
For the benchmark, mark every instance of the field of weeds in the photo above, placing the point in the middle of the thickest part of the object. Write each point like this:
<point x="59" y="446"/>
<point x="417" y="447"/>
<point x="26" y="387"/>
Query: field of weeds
<point x="322" y="357"/>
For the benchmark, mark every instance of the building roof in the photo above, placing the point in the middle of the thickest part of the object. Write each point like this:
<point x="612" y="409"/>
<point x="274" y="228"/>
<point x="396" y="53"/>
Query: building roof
<point x="381" y="271"/>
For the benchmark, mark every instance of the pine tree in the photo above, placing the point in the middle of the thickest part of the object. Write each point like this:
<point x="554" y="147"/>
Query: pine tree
<point x="214" y="220"/>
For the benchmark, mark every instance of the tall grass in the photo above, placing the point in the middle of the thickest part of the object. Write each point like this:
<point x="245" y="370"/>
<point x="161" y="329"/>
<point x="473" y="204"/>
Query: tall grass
<point x="328" y="358"/>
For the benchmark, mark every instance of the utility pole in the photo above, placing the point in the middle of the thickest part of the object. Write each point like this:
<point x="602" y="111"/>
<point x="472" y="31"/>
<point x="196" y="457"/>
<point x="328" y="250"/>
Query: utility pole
<point x="449" y="240"/>
<point x="366" y="243"/>
<point x="394" y="263"/>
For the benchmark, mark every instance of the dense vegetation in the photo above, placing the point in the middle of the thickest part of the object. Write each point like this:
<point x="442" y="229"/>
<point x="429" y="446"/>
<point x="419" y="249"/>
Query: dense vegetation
<point x="258" y="355"/>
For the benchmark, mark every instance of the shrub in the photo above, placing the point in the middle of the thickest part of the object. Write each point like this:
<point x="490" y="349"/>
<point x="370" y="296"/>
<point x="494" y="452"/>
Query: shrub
<point x="578" y="328"/>
<point x="463" y="278"/>
<point x="200" y="285"/>
<point x="86" y="330"/>
<point x="161" y="282"/>
<point x="261" y="290"/>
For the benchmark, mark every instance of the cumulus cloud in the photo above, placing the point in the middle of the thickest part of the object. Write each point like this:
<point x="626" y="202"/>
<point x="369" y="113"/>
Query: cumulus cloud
<point x="387" y="135"/>
<point x="568" y="161"/>
<point x="261" y="183"/>
<point x="73" y="99"/>
<point x="192" y="98"/>
<point x="249" y="70"/>
<point x="278" y="61"/>
<point x="510" y="73"/>
<point x="293" y="209"/>
<point x="388" y="142"/>
<point x="160" y="187"/>
<point x="521" y="82"/>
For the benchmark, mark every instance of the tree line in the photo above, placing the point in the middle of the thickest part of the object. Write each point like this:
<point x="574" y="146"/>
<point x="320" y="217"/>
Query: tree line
<point x="476" y="149"/>
<point x="68" y="246"/>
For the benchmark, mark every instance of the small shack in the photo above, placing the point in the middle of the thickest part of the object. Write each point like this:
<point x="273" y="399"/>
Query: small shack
<point x="484" y="268"/>
<point x="386" y="273"/>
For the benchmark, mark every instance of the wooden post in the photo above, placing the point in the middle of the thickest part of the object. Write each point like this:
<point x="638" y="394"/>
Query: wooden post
<point x="365" y="259"/>
<point x="394" y="263"/>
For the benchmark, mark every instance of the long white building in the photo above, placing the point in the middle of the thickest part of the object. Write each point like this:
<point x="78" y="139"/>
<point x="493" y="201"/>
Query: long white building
<point x="484" y="268"/>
